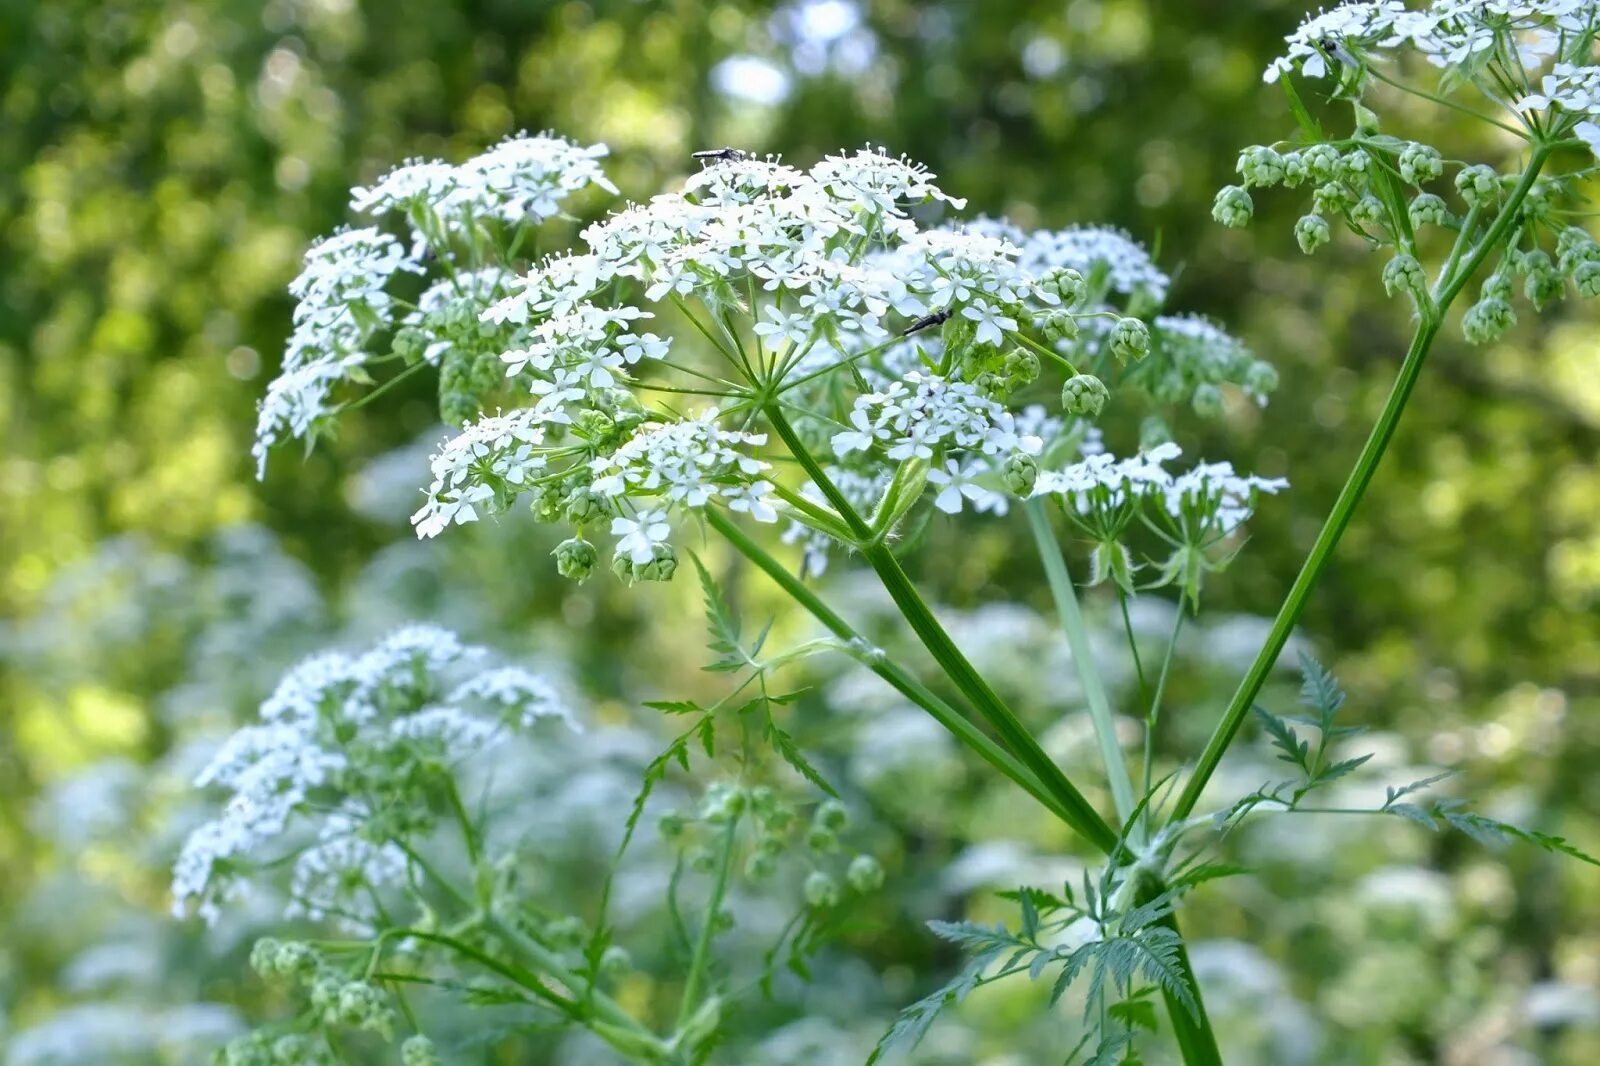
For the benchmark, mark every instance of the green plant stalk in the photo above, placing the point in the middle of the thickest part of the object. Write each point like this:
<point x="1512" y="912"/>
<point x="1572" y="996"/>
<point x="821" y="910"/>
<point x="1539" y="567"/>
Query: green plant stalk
<point x="897" y="678"/>
<point x="1075" y="810"/>
<point x="548" y="961"/>
<point x="1080" y="814"/>
<point x="708" y="931"/>
<point x="1094" y="689"/>
<point x="1451" y="280"/>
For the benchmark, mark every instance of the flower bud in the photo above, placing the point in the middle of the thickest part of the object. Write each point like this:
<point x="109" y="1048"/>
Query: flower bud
<point x="1367" y="211"/>
<point x="1295" y="171"/>
<point x="864" y="874"/>
<point x="722" y="803"/>
<point x="1427" y="210"/>
<point x="362" y="1006"/>
<point x="1020" y="472"/>
<point x="1487" y="320"/>
<point x="1420" y="163"/>
<point x="671" y="825"/>
<point x="1207" y="400"/>
<point x="1404" y="274"/>
<point x="1544" y="283"/>
<point x="1065" y="283"/>
<point x="1153" y="432"/>
<point x="1496" y="286"/>
<point x="1259" y="165"/>
<point x="1587" y="278"/>
<point x="1085" y="395"/>
<point x="1332" y="198"/>
<point x="821" y="840"/>
<point x="702" y="860"/>
<point x="1261" y="379"/>
<point x="584" y="505"/>
<point x="546" y="503"/>
<point x="760" y="866"/>
<point x="1355" y="165"/>
<point x="419" y="1051"/>
<point x="1312" y="232"/>
<point x="831" y="815"/>
<point x="615" y="961"/>
<point x="770" y="844"/>
<point x="1059" y="325"/>
<point x="296" y="1049"/>
<point x="264" y="957"/>
<point x="575" y="559"/>
<point x="1130" y="339"/>
<point x="409" y="343"/>
<point x="1321" y="161"/>
<point x="1574" y="246"/>
<point x="594" y="425"/>
<point x="1477" y="185"/>
<point x="821" y="891"/>
<point x="662" y="565"/>
<point x="1020" y="367"/>
<point x="1232" y="207"/>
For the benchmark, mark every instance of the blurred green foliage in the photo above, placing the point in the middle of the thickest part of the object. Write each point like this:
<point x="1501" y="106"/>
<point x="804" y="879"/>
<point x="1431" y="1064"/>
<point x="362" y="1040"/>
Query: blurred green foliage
<point x="164" y="164"/>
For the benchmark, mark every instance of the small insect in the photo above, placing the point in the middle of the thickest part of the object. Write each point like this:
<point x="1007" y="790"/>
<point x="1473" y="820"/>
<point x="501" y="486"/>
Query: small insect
<point x="924" y="323"/>
<point x="722" y="155"/>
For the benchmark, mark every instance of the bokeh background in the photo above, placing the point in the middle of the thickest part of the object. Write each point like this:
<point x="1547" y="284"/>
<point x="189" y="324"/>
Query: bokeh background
<point x="163" y="165"/>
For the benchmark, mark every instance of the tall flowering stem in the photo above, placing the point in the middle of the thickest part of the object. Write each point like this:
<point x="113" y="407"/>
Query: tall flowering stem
<point x="1457" y="271"/>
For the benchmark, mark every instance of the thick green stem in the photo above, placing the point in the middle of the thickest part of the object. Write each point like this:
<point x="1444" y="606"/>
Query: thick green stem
<point x="1075" y="810"/>
<point x="1094" y="689"/>
<point x="1078" y="812"/>
<point x="1455" y="275"/>
<point x="897" y="678"/>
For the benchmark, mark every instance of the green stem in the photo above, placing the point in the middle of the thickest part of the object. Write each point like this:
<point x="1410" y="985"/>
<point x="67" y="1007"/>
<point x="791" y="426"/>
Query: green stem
<point x="708" y="931"/>
<point x="1453" y="277"/>
<point x="1154" y="716"/>
<point x="897" y="678"/>
<point x="1094" y="689"/>
<point x="1077" y="811"/>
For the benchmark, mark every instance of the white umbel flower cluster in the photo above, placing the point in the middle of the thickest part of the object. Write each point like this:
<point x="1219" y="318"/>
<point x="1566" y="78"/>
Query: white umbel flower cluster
<point x="1535" y="56"/>
<point x="342" y="738"/>
<point x="463" y="218"/>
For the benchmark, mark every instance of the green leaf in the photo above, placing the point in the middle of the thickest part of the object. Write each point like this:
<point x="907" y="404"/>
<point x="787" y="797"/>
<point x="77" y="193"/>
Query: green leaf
<point x="674" y="706"/>
<point x="1294" y="750"/>
<point x="790" y="753"/>
<point x="721" y="622"/>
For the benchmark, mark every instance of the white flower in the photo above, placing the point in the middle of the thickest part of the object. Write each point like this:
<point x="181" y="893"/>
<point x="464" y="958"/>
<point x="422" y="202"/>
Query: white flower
<point x="637" y="537"/>
<point x="955" y="482"/>
<point x="794" y="328"/>
<point x="752" y="499"/>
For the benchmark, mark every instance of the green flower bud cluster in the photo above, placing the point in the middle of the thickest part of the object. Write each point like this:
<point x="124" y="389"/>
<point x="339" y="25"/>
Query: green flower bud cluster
<point x="576" y="559"/>
<point x="1312" y="232"/>
<point x="1066" y="284"/>
<point x="467" y="378"/>
<point x="1426" y="209"/>
<point x="1207" y="400"/>
<point x="1084" y="395"/>
<point x="263" y="1048"/>
<point x="1129" y="340"/>
<point x="1020" y="472"/>
<point x="1259" y="165"/>
<point x="1478" y="185"/>
<point x="1233" y="207"/>
<point x="1404" y="274"/>
<point x="418" y="1050"/>
<point x="662" y="565"/>
<point x="284" y="960"/>
<point x="1059" y="325"/>
<point x="1487" y="320"/>
<point x="1420" y="163"/>
<point x="827" y="823"/>
<point x="355" y="1004"/>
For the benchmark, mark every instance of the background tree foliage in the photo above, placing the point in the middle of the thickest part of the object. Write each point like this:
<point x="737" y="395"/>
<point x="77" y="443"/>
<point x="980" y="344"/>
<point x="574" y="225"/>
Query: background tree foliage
<point x="164" y="164"/>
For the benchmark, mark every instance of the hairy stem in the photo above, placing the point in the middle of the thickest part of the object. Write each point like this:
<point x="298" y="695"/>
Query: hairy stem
<point x="1094" y="689"/>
